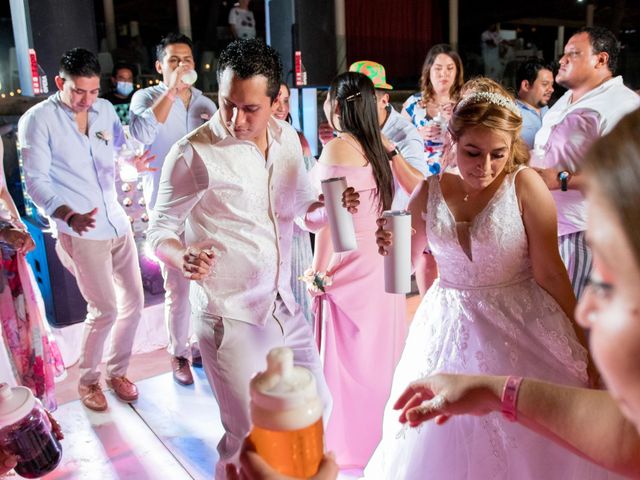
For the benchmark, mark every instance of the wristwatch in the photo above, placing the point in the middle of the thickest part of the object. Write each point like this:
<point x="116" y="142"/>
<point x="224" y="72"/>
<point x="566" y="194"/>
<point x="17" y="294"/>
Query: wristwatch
<point x="393" y="153"/>
<point x="563" y="176"/>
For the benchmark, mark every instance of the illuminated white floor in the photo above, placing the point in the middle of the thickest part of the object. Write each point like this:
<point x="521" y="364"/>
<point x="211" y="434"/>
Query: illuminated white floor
<point x="170" y="432"/>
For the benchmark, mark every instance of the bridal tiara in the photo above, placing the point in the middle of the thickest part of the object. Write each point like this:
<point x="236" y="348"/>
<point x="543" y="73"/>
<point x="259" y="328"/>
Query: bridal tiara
<point x="491" y="97"/>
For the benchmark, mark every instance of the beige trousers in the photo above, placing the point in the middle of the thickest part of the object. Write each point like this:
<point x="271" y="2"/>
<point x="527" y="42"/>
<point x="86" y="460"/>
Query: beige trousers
<point x="177" y="311"/>
<point x="108" y="275"/>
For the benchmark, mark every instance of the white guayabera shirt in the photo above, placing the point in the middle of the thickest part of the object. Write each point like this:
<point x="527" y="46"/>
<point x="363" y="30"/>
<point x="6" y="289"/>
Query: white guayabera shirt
<point x="225" y="196"/>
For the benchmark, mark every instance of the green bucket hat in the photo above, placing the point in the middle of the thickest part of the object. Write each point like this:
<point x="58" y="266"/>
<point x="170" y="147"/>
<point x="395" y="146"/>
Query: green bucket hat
<point x="374" y="71"/>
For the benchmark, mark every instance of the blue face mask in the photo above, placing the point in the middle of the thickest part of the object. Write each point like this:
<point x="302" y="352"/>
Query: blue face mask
<point x="124" y="88"/>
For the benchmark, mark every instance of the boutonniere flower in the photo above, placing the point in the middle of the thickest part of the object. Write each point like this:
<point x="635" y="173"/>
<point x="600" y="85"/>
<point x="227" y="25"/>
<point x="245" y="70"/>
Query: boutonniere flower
<point x="205" y="116"/>
<point x="316" y="281"/>
<point x="104" y="136"/>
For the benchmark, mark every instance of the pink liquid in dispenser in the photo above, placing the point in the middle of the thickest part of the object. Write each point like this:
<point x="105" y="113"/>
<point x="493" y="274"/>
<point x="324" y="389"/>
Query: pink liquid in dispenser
<point x="25" y="431"/>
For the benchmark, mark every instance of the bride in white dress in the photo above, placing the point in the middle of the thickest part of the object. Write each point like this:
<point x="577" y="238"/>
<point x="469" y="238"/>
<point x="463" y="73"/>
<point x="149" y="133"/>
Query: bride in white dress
<point x="503" y="304"/>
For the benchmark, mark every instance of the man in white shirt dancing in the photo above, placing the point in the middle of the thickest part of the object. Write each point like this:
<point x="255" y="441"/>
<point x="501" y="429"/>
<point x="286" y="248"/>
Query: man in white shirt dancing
<point x="234" y="186"/>
<point x="67" y="144"/>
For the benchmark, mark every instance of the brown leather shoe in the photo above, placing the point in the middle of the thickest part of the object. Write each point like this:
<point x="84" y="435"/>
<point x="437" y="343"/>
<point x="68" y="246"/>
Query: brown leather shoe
<point x="123" y="388"/>
<point x="92" y="397"/>
<point x="181" y="371"/>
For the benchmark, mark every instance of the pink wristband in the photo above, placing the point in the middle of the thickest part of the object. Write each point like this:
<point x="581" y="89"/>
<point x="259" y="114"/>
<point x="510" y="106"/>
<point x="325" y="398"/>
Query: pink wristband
<point x="510" y="398"/>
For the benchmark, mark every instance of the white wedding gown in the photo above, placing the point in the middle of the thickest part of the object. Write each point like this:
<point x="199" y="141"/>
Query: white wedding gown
<point x="486" y="315"/>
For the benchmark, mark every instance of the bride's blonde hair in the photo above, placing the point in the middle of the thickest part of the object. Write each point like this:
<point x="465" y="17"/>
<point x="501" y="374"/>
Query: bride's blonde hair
<point x="485" y="103"/>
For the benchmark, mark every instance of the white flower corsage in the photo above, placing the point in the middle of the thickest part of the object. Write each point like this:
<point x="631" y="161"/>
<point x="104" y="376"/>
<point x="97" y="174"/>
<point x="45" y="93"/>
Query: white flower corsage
<point x="105" y="136"/>
<point x="316" y="281"/>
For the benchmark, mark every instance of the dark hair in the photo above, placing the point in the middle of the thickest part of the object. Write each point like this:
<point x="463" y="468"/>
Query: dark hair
<point x="356" y="99"/>
<point x="79" y="62"/>
<point x="529" y="69"/>
<point x="121" y="66"/>
<point x="284" y="84"/>
<point x="603" y="40"/>
<point x="425" y="79"/>
<point x="171" y="39"/>
<point x="613" y="165"/>
<point x="251" y="57"/>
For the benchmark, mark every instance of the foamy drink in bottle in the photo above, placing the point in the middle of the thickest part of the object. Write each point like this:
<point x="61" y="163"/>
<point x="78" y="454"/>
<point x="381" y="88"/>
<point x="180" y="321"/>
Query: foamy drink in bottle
<point x="287" y="416"/>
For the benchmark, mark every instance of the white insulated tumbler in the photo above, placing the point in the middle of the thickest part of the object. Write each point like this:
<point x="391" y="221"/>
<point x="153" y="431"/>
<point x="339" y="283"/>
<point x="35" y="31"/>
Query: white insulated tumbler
<point x="343" y="234"/>
<point x="397" y="264"/>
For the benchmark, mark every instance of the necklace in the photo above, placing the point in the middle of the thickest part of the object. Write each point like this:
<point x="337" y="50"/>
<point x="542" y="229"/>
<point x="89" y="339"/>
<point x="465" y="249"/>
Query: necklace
<point x="466" y="198"/>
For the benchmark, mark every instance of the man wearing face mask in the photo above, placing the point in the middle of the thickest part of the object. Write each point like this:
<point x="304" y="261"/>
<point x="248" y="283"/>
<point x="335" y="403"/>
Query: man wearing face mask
<point x="122" y="88"/>
<point x="160" y="116"/>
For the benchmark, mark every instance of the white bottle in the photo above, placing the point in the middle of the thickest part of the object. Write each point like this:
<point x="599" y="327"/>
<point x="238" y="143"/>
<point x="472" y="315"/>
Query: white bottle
<point x="286" y="412"/>
<point x="397" y="264"/>
<point x="190" y="77"/>
<point x="343" y="234"/>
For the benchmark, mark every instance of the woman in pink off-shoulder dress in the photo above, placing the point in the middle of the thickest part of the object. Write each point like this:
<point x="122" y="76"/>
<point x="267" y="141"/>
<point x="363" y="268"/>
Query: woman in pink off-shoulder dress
<point x="361" y="328"/>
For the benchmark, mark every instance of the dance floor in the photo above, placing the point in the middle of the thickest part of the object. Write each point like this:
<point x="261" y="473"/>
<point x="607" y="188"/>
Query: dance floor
<point x="171" y="432"/>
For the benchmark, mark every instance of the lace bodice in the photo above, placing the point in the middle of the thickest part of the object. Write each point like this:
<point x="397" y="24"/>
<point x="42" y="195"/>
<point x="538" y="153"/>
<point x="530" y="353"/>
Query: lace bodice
<point x="497" y="237"/>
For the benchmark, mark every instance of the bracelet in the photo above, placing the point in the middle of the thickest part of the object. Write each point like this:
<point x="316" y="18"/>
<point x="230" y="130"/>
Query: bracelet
<point x="67" y="218"/>
<point x="393" y="153"/>
<point x="171" y="94"/>
<point x="509" y="398"/>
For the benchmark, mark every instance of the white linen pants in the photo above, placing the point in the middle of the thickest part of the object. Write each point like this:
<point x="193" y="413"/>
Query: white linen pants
<point x="233" y="351"/>
<point x="108" y="276"/>
<point x="177" y="310"/>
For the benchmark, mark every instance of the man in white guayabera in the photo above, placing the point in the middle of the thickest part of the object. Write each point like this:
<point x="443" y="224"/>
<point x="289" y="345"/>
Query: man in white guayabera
<point x="593" y="104"/>
<point x="234" y="187"/>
